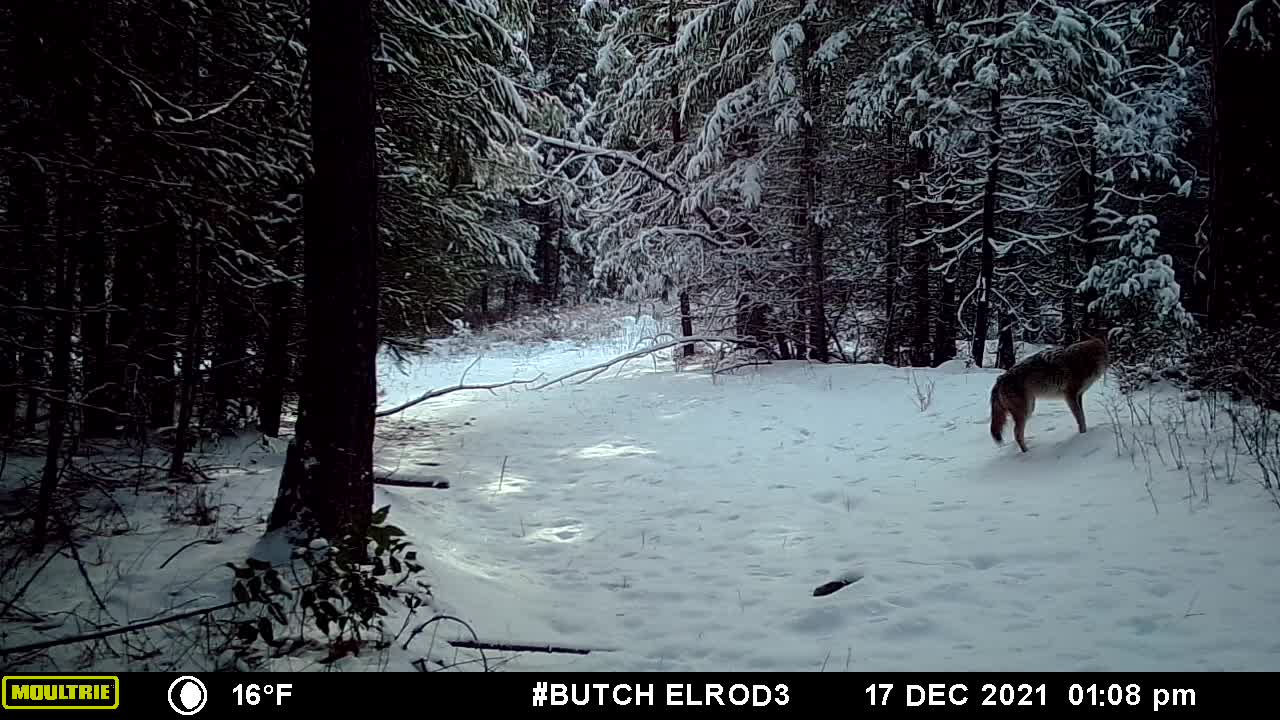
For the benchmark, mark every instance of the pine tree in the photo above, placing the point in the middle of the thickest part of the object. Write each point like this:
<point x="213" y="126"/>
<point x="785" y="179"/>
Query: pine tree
<point x="329" y="468"/>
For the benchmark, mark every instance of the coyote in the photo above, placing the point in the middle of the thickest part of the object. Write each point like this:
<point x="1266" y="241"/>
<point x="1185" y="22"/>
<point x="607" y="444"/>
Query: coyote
<point x="1061" y="373"/>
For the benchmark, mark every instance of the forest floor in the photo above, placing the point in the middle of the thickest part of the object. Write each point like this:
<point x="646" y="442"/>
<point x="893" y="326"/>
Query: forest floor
<point x="674" y="520"/>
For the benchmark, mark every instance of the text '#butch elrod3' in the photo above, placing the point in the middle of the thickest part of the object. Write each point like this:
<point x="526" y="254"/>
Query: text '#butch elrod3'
<point x="659" y="694"/>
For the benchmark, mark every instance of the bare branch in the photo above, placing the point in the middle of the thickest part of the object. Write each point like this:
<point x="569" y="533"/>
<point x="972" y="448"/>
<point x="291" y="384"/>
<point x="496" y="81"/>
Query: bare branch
<point x="430" y="394"/>
<point x="601" y="367"/>
<point x="45" y="645"/>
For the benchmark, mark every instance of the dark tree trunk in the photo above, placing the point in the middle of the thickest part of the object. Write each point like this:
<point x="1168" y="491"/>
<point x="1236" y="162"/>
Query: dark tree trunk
<point x="819" y="348"/>
<point x="510" y="296"/>
<point x="8" y="389"/>
<point x="944" y="333"/>
<point x="276" y="366"/>
<point x="330" y="476"/>
<point x="784" y="347"/>
<point x="1088" y="236"/>
<point x="922" y="310"/>
<point x="1005" y="354"/>
<point x="64" y="298"/>
<point x="547" y="253"/>
<point x="1244" y="200"/>
<point x="921" y="254"/>
<point x="893" y="268"/>
<point x="160" y="331"/>
<point x="1069" y="324"/>
<point x="101" y="386"/>
<point x="986" y="277"/>
<point x="677" y="139"/>
<point x="192" y="352"/>
<point x="101" y="393"/>
<point x="922" y="306"/>
<point x="228" y="373"/>
<point x="686" y="322"/>
<point x="990" y="206"/>
<point x="893" y="272"/>
<point x="31" y="217"/>
<point x="129" y="286"/>
<point x="29" y="213"/>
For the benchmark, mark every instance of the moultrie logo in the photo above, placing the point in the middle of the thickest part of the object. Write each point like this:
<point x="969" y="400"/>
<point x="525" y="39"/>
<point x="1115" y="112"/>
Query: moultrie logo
<point x="61" y="692"/>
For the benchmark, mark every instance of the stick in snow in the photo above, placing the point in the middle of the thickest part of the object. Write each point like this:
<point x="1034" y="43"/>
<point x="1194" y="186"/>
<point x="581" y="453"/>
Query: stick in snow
<point x="433" y="484"/>
<point x="473" y="645"/>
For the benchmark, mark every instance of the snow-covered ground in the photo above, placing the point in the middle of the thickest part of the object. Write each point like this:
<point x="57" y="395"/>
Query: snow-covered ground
<point x="673" y="520"/>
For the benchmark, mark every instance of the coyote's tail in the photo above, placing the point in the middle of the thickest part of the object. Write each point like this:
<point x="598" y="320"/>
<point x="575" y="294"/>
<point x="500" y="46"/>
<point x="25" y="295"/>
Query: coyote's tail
<point x="997" y="416"/>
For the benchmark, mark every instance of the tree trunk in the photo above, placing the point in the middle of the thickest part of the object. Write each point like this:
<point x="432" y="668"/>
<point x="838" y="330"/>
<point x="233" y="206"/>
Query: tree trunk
<point x="160" y="330"/>
<point x="64" y="298"/>
<point x="8" y="389"/>
<point x="990" y="201"/>
<point x="31" y="217"/>
<point x="944" y="333"/>
<point x="677" y="139"/>
<point x="228" y="373"/>
<point x="809" y="162"/>
<point x="986" y="275"/>
<point x="192" y="352"/>
<point x="1005" y="354"/>
<point x="101" y="385"/>
<point x="275" y="365"/>
<point x="331" y="473"/>
<point x="893" y="268"/>
<point x="922" y="351"/>
<point x="922" y="306"/>
<point x="1088" y="234"/>
<point x="1244" y="206"/>
<point x="29" y="212"/>
<point x="686" y="322"/>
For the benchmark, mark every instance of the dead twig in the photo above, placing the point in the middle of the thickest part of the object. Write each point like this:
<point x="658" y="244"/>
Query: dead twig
<point x="555" y="649"/>
<point x="193" y="543"/>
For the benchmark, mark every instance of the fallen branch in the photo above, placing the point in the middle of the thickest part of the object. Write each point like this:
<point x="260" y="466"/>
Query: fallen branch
<point x="601" y="367"/>
<point x="431" y="394"/>
<point x="474" y="645"/>
<point x="432" y="484"/>
<point x="45" y="645"/>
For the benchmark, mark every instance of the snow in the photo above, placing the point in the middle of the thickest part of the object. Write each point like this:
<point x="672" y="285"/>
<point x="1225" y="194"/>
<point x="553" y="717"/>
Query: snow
<point x="681" y="523"/>
<point x="671" y="520"/>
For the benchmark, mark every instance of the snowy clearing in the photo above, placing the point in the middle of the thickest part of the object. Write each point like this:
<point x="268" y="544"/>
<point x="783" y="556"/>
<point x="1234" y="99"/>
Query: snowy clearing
<point x="678" y="521"/>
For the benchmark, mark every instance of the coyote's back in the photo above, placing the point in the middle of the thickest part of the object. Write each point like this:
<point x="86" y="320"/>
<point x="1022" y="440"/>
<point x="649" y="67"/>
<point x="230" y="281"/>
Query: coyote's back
<point x="1061" y="373"/>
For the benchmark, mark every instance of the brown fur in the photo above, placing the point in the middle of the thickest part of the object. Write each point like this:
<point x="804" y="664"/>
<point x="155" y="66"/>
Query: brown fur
<point x="1062" y="373"/>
